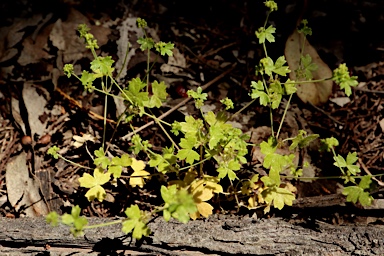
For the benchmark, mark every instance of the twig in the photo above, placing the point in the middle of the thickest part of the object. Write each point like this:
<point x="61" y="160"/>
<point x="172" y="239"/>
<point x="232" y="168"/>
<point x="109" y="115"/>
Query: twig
<point x="368" y="90"/>
<point x="77" y="104"/>
<point x="325" y="113"/>
<point x="215" y="51"/>
<point x="369" y="173"/>
<point x="204" y="87"/>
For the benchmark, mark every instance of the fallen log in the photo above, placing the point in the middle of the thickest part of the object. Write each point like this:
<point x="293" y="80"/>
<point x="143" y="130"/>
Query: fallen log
<point x="217" y="235"/>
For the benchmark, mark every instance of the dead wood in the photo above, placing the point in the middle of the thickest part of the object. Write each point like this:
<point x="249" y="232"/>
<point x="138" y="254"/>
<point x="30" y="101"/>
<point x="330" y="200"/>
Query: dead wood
<point x="216" y="236"/>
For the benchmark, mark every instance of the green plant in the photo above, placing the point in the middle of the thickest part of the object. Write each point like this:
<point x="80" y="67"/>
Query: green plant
<point x="207" y="139"/>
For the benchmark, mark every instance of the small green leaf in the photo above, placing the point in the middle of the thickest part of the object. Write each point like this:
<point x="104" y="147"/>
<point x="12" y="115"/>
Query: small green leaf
<point x="348" y="163"/>
<point x="307" y="31"/>
<point x="52" y="218"/>
<point x="94" y="184"/>
<point x="159" y="95"/>
<point x="75" y="221"/>
<point x="68" y="70"/>
<point x="124" y="160"/>
<point x="188" y="142"/>
<point x="139" y="145"/>
<point x="279" y="67"/>
<point x="189" y="155"/>
<point x="341" y="76"/>
<point x="301" y="140"/>
<point x="103" y="66"/>
<point x="135" y="85"/>
<point x="101" y="159"/>
<point x="53" y="152"/>
<point x="128" y="225"/>
<point x="224" y="171"/>
<point x="351" y="158"/>
<point x="139" y="174"/>
<point x="365" y="182"/>
<point x="290" y="87"/>
<point x="198" y="96"/>
<point x="228" y="103"/>
<point x="272" y="5"/>
<point x="176" y="128"/>
<point x="266" y="148"/>
<point x="356" y="193"/>
<point x="141" y="23"/>
<point x="257" y="85"/>
<point x="89" y="38"/>
<point x="275" y="93"/>
<point x="146" y="43"/>
<point x="87" y="80"/>
<point x="135" y="93"/>
<point x="328" y="144"/>
<point x="178" y="203"/>
<point x="79" y="223"/>
<point x="266" y="34"/>
<point x="155" y="160"/>
<point x="258" y="92"/>
<point x="115" y="170"/>
<point x="267" y="64"/>
<point x="279" y="197"/>
<point x="135" y="223"/>
<point x="234" y="165"/>
<point x="164" y="48"/>
<point x="339" y="161"/>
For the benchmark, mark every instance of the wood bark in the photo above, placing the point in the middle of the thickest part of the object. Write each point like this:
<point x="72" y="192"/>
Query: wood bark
<point x="217" y="235"/>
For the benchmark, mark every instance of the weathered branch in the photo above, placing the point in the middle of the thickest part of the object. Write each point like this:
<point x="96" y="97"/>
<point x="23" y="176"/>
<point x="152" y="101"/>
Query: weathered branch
<point x="218" y="235"/>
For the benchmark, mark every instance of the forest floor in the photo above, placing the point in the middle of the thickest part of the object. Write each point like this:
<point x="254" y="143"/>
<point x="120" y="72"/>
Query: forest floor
<point x="40" y="107"/>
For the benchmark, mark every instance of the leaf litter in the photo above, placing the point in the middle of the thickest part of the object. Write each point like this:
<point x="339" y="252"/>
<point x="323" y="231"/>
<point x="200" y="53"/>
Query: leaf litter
<point x="190" y="67"/>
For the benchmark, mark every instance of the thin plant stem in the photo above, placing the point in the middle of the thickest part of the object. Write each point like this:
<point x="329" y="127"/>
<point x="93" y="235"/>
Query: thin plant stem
<point x="241" y="110"/>
<point x="166" y="133"/>
<point x="105" y="120"/>
<point x="124" y="62"/>
<point x="265" y="24"/>
<point x="308" y="81"/>
<point x="270" y="106"/>
<point x="148" y="60"/>
<point x="103" y="224"/>
<point x="284" y="114"/>
<point x="235" y="194"/>
<point x="201" y="163"/>
<point x="154" y="117"/>
<point x="73" y="163"/>
<point x="192" y="165"/>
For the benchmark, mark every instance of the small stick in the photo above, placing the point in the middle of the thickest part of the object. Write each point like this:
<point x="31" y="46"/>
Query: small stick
<point x="325" y="113"/>
<point x="368" y="90"/>
<point x="77" y="104"/>
<point x="369" y="173"/>
<point x="204" y="87"/>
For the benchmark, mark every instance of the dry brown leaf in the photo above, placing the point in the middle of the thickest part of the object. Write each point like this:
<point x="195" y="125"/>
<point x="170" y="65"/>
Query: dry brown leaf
<point x="382" y="125"/>
<point x="12" y="35"/>
<point x="34" y="52"/>
<point x="341" y="101"/>
<point x="64" y="36"/>
<point x="315" y="93"/>
<point x="35" y="104"/>
<point x="176" y="63"/>
<point x="22" y="190"/>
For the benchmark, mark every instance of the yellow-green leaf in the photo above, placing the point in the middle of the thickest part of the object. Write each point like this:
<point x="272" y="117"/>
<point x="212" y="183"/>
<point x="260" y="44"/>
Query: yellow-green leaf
<point x="138" y="179"/>
<point x="137" y="165"/>
<point x="94" y="184"/>
<point x="205" y="209"/>
<point x="87" y="181"/>
<point x="96" y="192"/>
